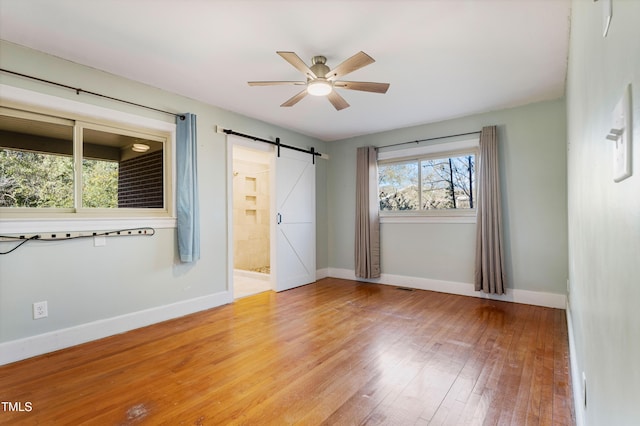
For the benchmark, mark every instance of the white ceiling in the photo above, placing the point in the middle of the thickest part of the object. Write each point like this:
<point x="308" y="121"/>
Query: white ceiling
<point x="443" y="58"/>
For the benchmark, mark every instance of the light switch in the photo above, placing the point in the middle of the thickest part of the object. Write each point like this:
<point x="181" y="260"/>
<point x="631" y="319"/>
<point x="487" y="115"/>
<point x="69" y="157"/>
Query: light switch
<point x="621" y="135"/>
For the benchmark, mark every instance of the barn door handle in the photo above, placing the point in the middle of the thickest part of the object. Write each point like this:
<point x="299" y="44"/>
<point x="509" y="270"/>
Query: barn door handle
<point x="279" y="218"/>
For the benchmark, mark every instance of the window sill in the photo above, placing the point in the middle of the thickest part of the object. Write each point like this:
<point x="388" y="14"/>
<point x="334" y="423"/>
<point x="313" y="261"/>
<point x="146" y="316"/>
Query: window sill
<point x="435" y="217"/>
<point x="29" y="226"/>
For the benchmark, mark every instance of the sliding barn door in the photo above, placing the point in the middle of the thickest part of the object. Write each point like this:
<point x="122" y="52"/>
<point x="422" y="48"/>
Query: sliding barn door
<point x="295" y="220"/>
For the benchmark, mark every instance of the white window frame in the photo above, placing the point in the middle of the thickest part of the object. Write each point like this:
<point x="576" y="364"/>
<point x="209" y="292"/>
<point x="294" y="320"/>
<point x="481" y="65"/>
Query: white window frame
<point x="439" y="150"/>
<point x="32" y="221"/>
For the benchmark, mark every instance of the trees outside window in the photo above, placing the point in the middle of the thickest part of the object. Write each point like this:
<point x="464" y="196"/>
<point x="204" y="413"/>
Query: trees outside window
<point x="424" y="184"/>
<point x="31" y="179"/>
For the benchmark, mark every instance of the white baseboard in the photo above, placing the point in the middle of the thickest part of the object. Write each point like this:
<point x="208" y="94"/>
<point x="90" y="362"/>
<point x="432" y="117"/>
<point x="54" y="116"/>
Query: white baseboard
<point x="550" y="300"/>
<point x="576" y="382"/>
<point x="322" y="273"/>
<point x="251" y="274"/>
<point x="28" y="347"/>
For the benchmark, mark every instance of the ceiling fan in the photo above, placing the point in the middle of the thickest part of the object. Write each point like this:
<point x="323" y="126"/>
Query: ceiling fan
<point x="321" y="80"/>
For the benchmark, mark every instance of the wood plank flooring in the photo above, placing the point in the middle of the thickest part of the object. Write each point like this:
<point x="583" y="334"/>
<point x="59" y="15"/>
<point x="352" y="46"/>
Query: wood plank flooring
<point x="335" y="352"/>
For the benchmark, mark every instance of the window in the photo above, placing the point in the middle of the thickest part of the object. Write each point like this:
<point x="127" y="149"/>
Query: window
<point x="36" y="162"/>
<point x="51" y="165"/>
<point x="434" y="181"/>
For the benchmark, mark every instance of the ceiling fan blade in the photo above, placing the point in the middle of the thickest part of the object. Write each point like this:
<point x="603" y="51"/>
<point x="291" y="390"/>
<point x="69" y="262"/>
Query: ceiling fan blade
<point x="276" y="83"/>
<point x="295" y="99"/>
<point x="355" y="62"/>
<point x="337" y="101"/>
<point x="364" y="86"/>
<point x="298" y="63"/>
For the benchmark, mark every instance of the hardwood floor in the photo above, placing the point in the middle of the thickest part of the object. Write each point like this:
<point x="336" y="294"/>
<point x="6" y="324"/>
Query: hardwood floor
<point x="335" y="352"/>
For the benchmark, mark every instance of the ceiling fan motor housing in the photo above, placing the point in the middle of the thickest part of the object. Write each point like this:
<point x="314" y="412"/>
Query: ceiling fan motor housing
<point x="319" y="67"/>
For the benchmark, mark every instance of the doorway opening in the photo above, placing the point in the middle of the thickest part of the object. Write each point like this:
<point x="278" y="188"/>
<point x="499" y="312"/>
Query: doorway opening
<point x="252" y="201"/>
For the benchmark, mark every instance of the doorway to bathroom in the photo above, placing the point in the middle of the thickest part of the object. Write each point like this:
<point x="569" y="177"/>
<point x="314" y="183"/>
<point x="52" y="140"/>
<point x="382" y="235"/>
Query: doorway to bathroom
<point x="252" y="205"/>
<point x="276" y="193"/>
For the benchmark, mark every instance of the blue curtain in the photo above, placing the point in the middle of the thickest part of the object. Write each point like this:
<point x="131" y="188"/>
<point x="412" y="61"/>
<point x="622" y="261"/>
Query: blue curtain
<point x="187" y="188"/>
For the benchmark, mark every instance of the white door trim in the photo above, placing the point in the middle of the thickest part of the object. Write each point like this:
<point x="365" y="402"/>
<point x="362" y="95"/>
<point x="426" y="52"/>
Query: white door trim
<point x="238" y="141"/>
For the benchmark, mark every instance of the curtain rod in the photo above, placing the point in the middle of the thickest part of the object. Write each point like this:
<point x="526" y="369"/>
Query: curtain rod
<point x="78" y="91"/>
<point x="428" y="139"/>
<point x="277" y="143"/>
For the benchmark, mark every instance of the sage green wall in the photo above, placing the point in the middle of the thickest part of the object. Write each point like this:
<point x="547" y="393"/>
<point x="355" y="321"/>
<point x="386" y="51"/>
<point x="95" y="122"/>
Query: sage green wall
<point x="83" y="283"/>
<point x="533" y="182"/>
<point x="604" y="217"/>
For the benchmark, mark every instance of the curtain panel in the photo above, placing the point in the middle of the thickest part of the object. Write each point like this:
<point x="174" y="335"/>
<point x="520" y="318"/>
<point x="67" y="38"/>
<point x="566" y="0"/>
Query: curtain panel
<point x="489" y="264"/>
<point x="367" y="238"/>
<point x="188" y="208"/>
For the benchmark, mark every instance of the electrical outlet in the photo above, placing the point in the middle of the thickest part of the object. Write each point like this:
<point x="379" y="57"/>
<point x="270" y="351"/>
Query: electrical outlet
<point x="40" y="310"/>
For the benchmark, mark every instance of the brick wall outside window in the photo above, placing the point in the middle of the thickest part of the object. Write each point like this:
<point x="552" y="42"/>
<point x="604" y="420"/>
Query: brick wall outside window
<point x="140" y="182"/>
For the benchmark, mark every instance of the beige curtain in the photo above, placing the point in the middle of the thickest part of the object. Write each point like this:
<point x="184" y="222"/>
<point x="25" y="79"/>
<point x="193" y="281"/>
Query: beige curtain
<point x="367" y="244"/>
<point x="489" y="270"/>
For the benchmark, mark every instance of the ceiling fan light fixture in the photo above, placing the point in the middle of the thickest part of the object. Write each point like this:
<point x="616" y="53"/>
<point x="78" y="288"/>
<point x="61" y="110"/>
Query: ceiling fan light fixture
<point x="319" y="87"/>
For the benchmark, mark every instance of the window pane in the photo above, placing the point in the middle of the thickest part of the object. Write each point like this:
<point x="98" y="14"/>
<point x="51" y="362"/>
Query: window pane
<point x="120" y="171"/>
<point x="99" y="183"/>
<point x="36" y="163"/>
<point x="447" y="183"/>
<point x="398" y="186"/>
